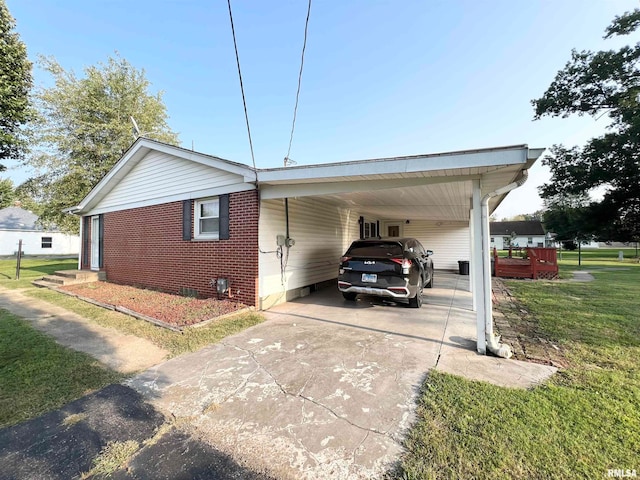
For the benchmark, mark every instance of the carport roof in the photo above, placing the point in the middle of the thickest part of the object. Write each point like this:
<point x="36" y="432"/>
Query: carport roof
<point x="430" y="187"/>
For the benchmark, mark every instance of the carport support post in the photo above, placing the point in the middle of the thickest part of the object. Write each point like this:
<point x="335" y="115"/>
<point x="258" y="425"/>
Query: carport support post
<point x="477" y="268"/>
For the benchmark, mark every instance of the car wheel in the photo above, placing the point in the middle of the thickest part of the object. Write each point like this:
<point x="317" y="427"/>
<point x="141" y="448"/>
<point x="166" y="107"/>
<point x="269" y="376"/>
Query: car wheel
<point x="416" y="302"/>
<point x="430" y="284"/>
<point x="349" y="296"/>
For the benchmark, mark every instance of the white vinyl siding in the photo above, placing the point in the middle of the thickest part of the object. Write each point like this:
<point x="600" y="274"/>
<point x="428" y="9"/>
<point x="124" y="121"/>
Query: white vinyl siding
<point x="448" y="240"/>
<point x="322" y="232"/>
<point x="161" y="178"/>
<point x="32" y="243"/>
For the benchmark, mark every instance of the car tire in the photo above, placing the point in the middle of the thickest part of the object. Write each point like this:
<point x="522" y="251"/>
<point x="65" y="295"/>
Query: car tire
<point x="430" y="284"/>
<point x="349" y="296"/>
<point x="416" y="302"/>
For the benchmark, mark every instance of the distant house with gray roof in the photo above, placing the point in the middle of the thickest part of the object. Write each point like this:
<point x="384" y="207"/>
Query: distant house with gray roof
<point x="17" y="224"/>
<point x="517" y="234"/>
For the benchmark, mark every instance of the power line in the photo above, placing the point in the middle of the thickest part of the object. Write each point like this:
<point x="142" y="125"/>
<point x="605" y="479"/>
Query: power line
<point x="295" y="109"/>
<point x="244" y="101"/>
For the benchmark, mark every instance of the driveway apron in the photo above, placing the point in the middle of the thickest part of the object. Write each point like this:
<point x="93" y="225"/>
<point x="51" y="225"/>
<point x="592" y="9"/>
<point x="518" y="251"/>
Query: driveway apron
<point x="324" y="388"/>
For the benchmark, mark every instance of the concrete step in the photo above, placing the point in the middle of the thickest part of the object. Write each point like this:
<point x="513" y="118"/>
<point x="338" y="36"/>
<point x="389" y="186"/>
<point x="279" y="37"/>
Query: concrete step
<point x="84" y="275"/>
<point x="56" y="280"/>
<point x="44" y="284"/>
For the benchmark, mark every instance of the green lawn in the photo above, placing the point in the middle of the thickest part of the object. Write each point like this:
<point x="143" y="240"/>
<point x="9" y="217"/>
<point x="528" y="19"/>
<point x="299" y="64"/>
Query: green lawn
<point x="38" y="375"/>
<point x="31" y="269"/>
<point x="580" y="424"/>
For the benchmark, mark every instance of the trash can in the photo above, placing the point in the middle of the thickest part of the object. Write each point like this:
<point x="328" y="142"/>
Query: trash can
<point x="463" y="267"/>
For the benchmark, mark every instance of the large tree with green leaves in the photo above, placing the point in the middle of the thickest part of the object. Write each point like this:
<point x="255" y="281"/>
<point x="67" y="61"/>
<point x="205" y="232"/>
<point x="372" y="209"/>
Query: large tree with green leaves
<point x="595" y="84"/>
<point x="84" y="127"/>
<point x="15" y="85"/>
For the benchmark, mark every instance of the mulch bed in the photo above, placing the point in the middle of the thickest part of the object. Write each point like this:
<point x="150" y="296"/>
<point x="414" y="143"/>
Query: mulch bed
<point x="519" y="329"/>
<point x="173" y="310"/>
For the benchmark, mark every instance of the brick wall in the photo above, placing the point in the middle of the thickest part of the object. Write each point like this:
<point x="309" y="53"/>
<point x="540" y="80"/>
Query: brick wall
<point x="144" y="246"/>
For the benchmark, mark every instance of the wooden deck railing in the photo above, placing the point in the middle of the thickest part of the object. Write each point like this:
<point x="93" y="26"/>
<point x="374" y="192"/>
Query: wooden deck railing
<point x="538" y="263"/>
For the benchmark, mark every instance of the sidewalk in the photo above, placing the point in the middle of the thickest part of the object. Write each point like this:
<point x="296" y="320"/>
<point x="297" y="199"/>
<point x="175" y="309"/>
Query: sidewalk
<point x="121" y="352"/>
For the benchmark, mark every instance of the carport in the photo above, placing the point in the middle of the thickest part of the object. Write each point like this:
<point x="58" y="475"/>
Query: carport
<point x="310" y="214"/>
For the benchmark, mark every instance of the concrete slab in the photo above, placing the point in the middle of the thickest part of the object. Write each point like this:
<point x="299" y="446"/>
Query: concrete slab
<point x="466" y="362"/>
<point x="582" y="276"/>
<point x="326" y="388"/>
<point x="124" y="353"/>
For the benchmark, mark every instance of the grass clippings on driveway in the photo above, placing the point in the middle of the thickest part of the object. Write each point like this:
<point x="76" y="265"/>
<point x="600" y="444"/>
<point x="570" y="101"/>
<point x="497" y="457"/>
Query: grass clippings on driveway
<point x="581" y="423"/>
<point x="38" y="375"/>
<point x="175" y="310"/>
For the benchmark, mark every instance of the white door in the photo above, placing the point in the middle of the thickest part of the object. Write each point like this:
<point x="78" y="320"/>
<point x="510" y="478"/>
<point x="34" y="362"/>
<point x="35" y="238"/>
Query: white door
<point x="95" y="243"/>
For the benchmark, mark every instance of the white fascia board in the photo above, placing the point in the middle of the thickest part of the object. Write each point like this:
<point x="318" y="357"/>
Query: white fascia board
<point x="268" y="192"/>
<point x="210" y="192"/>
<point x="138" y="151"/>
<point x="424" y="163"/>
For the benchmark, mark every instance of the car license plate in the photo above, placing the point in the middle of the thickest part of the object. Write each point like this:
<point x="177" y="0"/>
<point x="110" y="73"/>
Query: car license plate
<point x="369" y="277"/>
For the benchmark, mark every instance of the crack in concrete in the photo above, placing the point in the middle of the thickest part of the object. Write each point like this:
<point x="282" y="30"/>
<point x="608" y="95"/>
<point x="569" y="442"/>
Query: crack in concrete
<point x="355" y="450"/>
<point x="315" y="402"/>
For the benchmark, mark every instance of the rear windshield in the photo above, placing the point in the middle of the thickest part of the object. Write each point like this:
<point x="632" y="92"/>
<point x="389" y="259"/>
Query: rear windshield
<point x="382" y="249"/>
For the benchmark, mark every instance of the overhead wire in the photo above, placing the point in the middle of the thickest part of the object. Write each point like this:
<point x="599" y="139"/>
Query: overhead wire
<point x="244" y="101"/>
<point x="295" y="108"/>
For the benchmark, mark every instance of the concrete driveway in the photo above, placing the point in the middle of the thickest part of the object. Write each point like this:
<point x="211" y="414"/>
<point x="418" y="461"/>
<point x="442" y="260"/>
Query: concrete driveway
<point x="324" y="388"/>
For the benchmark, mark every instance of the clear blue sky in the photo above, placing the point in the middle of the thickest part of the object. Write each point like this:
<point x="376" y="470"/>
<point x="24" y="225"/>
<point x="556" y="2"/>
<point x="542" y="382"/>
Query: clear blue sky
<point x="381" y="78"/>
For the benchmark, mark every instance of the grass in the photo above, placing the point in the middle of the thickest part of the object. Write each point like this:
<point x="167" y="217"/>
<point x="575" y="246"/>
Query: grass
<point x="584" y="421"/>
<point x="31" y="269"/>
<point x="111" y="458"/>
<point x="38" y="375"/>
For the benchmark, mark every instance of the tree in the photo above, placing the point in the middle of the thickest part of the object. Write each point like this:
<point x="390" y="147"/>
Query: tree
<point x="524" y="217"/>
<point x="7" y="194"/>
<point x="605" y="82"/>
<point x="84" y="127"/>
<point x="571" y="225"/>
<point x="15" y="85"/>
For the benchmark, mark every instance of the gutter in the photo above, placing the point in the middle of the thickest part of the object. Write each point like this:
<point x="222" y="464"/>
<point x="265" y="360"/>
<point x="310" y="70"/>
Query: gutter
<point x="493" y="340"/>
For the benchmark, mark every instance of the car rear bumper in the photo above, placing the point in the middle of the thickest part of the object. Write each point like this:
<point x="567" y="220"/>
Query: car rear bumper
<point x="407" y="291"/>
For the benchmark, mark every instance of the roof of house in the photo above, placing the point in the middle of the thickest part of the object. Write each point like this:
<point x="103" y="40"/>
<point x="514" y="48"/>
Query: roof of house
<point x="16" y="218"/>
<point x="444" y="181"/>
<point x="521" y="228"/>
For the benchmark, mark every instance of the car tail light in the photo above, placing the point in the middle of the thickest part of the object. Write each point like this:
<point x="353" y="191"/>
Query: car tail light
<point x="400" y="290"/>
<point x="343" y="284"/>
<point x="405" y="263"/>
<point x="344" y="259"/>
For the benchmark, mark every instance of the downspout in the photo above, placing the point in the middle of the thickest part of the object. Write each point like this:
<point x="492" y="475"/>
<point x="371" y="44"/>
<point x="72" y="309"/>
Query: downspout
<point x="493" y="340"/>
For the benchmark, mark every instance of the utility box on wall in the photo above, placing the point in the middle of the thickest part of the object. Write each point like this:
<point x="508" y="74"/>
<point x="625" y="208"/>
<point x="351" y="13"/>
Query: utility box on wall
<point x="222" y="285"/>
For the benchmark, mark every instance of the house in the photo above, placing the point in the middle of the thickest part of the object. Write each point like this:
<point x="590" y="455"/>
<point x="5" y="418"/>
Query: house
<point x="173" y="219"/>
<point x="17" y="224"/>
<point x="517" y="234"/>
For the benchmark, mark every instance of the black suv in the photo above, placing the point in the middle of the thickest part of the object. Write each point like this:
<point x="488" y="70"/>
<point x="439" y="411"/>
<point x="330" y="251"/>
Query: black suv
<point x="397" y="268"/>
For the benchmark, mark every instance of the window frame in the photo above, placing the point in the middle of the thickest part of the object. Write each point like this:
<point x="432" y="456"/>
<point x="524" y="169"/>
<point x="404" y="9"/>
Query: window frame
<point x="197" y="233"/>
<point x="43" y="242"/>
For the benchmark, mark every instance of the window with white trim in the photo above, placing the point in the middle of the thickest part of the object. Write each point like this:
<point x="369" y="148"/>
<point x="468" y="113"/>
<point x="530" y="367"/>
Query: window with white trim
<point x="207" y="218"/>
<point x="47" y="242"/>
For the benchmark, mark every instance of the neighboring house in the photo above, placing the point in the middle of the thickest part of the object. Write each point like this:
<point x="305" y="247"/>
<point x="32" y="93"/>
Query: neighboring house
<point x="173" y="219"/>
<point x="17" y="224"/>
<point x="517" y="234"/>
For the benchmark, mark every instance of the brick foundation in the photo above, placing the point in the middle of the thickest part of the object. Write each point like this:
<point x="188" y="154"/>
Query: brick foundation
<point x="144" y="247"/>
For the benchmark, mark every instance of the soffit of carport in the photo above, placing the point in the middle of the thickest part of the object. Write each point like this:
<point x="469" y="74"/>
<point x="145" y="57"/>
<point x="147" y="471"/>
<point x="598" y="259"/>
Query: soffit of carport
<point x="444" y="196"/>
